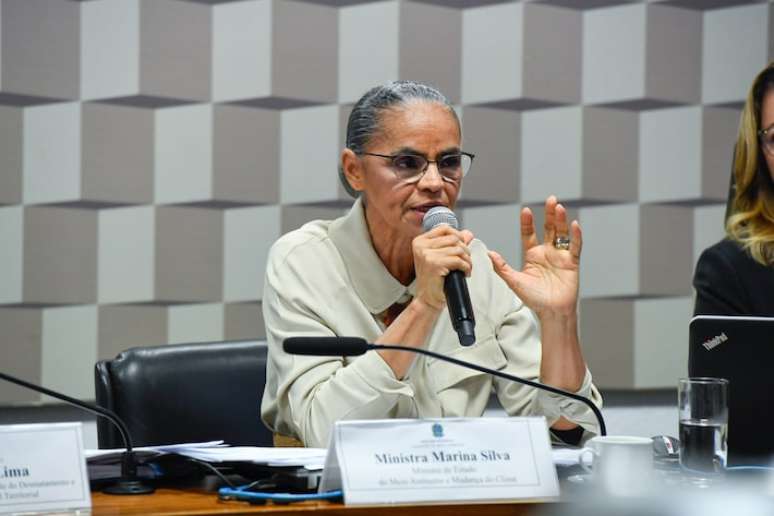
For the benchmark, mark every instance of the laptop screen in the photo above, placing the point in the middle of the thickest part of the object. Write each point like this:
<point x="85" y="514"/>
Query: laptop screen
<point x="740" y="349"/>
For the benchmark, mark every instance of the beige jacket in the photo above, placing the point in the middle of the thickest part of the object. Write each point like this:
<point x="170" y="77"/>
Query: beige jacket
<point x="325" y="279"/>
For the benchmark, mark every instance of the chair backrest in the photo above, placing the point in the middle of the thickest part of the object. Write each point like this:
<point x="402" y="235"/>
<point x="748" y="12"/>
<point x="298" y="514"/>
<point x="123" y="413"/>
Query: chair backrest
<point x="185" y="393"/>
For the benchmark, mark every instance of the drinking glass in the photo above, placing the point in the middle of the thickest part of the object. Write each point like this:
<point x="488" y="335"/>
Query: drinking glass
<point x="703" y="406"/>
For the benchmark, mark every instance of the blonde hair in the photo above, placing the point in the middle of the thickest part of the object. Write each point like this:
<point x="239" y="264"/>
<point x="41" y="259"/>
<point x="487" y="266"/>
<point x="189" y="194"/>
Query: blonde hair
<point x="751" y="222"/>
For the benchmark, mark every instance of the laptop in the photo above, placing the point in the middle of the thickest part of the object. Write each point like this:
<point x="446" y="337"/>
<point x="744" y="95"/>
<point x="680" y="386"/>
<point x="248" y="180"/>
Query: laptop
<point x="740" y="349"/>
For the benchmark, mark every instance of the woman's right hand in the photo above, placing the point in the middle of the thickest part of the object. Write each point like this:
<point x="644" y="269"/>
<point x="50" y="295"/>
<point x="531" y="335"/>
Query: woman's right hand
<point x="436" y="253"/>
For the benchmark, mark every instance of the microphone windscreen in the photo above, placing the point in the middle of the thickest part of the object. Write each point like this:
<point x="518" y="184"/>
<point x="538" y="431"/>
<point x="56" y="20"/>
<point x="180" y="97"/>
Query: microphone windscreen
<point x="439" y="215"/>
<point x="325" y="346"/>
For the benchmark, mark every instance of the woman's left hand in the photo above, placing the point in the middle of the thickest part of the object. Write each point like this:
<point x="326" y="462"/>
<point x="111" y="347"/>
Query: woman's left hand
<point x="548" y="282"/>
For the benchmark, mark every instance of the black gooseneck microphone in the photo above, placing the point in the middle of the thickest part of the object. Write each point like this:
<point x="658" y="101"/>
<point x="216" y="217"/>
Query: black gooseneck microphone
<point x="353" y="346"/>
<point x="129" y="483"/>
<point x="454" y="284"/>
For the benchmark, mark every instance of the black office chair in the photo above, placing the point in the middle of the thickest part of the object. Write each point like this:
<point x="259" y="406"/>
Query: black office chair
<point x="185" y="393"/>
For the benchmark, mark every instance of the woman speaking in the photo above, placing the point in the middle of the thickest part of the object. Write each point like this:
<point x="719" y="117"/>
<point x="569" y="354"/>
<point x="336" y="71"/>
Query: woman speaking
<point x="374" y="273"/>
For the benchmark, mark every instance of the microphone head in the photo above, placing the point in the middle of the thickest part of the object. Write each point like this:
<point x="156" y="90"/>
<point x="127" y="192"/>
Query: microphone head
<point x="325" y="346"/>
<point x="439" y="215"/>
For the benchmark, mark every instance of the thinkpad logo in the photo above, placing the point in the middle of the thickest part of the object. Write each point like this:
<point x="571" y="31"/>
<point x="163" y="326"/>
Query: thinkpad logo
<point x="715" y="341"/>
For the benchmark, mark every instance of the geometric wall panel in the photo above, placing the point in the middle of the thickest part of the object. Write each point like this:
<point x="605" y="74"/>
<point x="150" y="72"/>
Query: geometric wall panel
<point x="69" y="350"/>
<point x="11" y="254"/>
<point x="241" y="48"/>
<point x="20" y="354"/>
<point x="735" y="47"/>
<point x="110" y="49"/>
<point x="528" y="66"/>
<point x="309" y="155"/>
<point x="636" y="343"/>
<point x="195" y="323"/>
<point x="175" y="63"/>
<point x="60" y="255"/>
<point x="586" y="5"/>
<point x="183" y="154"/>
<point x="545" y="54"/>
<point x="126" y="326"/>
<point x="719" y="132"/>
<point x="478" y="54"/>
<point x="248" y="235"/>
<point x="245" y="154"/>
<point x="40" y="48"/>
<point x="604" y="322"/>
<point x="493" y="135"/>
<point x="708" y="5"/>
<point x="629" y="56"/>
<point x="685" y="153"/>
<point x="117" y="153"/>
<point x="165" y="254"/>
<point x="243" y="321"/>
<point x="552" y="149"/>
<point x="305" y="55"/>
<point x="52" y="153"/>
<point x="11" y="130"/>
<point x="770" y="53"/>
<point x="226" y="154"/>
<point x="708" y="227"/>
<point x="441" y="46"/>
<point x="189" y="254"/>
<point x="609" y="172"/>
<point x="497" y="226"/>
<point x="650" y="246"/>
<point x="661" y="341"/>
<point x="368" y="47"/>
<point x="567" y="152"/>
<point x="126" y="255"/>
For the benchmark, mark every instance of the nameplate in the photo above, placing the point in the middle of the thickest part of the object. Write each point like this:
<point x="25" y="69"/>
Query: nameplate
<point x="42" y="468"/>
<point x="440" y="460"/>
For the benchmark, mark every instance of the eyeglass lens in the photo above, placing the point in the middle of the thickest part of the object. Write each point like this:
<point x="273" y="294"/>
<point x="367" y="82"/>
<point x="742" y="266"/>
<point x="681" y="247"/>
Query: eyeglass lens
<point x="452" y="166"/>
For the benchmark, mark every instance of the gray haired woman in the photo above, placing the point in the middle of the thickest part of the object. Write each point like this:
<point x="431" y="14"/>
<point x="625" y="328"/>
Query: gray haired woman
<point x="375" y="274"/>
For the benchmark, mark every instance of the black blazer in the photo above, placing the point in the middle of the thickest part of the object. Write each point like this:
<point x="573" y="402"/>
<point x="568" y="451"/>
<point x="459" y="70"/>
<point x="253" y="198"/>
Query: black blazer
<point x="729" y="282"/>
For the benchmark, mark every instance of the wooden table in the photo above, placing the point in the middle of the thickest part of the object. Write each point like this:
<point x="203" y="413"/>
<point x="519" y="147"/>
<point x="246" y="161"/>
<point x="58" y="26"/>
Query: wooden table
<point x="174" y="502"/>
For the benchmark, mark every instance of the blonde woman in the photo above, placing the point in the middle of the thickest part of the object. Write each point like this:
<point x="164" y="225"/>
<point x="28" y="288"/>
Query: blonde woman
<point x="736" y="275"/>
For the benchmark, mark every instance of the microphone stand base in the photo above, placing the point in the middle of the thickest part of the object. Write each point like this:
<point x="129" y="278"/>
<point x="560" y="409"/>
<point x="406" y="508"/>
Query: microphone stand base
<point x="129" y="487"/>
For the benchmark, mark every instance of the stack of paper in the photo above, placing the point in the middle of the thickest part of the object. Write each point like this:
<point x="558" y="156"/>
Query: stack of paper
<point x="310" y="458"/>
<point x="216" y="451"/>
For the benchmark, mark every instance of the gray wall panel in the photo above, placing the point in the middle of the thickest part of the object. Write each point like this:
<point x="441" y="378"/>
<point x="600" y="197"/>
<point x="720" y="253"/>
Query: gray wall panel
<point x="21" y="332"/>
<point x="175" y="49"/>
<point x="11" y="154"/>
<point x="60" y="255"/>
<point x="117" y="153"/>
<point x="441" y="46"/>
<point x="40" y="45"/>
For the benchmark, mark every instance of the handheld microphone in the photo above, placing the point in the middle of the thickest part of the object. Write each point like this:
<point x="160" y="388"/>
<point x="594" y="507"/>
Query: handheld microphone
<point x="354" y="346"/>
<point x="129" y="483"/>
<point x="454" y="284"/>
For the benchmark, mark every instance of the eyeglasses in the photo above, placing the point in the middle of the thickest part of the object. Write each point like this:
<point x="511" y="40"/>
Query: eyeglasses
<point x="410" y="168"/>
<point x="767" y="140"/>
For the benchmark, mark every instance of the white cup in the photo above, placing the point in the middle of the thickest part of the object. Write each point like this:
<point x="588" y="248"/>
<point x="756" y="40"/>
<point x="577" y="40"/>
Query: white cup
<point x="622" y="465"/>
